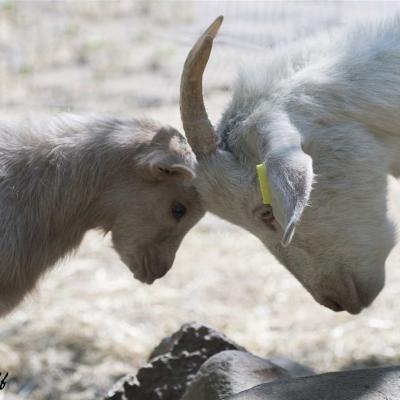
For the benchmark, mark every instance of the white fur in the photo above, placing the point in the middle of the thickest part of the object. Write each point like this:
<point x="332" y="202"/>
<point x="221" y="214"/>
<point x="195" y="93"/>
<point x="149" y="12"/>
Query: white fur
<point x="325" y="117"/>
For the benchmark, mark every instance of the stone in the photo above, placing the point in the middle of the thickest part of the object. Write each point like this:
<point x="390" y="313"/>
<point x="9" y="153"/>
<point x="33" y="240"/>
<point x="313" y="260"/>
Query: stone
<point x="198" y="363"/>
<point x="363" y="384"/>
<point x="172" y="365"/>
<point x="230" y="372"/>
<point x="194" y="337"/>
<point x="295" y="369"/>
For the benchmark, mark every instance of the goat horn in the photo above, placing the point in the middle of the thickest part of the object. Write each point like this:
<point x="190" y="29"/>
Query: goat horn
<point x="198" y="128"/>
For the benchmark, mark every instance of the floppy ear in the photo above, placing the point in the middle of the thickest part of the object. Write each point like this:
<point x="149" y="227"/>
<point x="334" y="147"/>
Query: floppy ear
<point x="290" y="175"/>
<point x="159" y="165"/>
<point x="170" y="171"/>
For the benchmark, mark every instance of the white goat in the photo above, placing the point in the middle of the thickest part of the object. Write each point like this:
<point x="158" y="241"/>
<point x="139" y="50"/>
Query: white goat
<point x="62" y="176"/>
<point x="328" y="109"/>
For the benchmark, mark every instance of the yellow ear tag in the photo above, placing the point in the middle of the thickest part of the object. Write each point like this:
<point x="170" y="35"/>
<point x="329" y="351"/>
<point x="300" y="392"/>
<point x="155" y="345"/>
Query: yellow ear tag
<point x="263" y="181"/>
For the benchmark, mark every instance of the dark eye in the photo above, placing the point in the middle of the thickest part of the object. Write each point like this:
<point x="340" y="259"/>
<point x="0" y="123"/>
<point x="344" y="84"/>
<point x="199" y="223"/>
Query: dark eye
<point x="178" y="211"/>
<point x="267" y="214"/>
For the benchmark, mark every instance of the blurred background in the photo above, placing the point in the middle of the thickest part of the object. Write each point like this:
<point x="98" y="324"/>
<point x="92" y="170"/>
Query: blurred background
<point x="89" y="322"/>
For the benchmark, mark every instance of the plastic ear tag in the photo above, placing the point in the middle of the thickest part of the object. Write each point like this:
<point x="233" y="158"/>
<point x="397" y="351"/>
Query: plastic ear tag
<point x="264" y="184"/>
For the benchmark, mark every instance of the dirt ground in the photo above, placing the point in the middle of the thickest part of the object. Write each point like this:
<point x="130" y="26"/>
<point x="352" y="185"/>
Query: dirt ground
<point x="89" y="322"/>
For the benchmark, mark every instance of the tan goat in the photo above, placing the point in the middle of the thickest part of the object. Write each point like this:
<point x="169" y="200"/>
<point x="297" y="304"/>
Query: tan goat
<point x="61" y="176"/>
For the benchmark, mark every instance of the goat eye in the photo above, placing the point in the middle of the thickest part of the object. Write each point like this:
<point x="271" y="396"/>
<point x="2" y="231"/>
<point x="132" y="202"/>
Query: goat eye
<point x="167" y="171"/>
<point x="267" y="216"/>
<point x="178" y="211"/>
<point x="267" y="213"/>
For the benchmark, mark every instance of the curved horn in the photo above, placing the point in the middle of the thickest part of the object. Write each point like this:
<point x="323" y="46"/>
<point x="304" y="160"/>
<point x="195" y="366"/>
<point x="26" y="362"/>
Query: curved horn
<point x="198" y="128"/>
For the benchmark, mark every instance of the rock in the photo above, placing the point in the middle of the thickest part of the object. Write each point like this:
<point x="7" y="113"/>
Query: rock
<point x="198" y="363"/>
<point x="194" y="337"/>
<point x="172" y="365"/>
<point x="363" y="384"/>
<point x="294" y="368"/>
<point x="230" y="372"/>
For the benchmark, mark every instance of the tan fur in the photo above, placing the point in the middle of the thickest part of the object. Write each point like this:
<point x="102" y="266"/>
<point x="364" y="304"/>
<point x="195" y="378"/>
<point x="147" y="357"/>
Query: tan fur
<point x="62" y="176"/>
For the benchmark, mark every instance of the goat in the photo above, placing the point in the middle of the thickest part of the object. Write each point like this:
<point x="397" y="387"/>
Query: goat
<point x="61" y="176"/>
<point x="324" y="118"/>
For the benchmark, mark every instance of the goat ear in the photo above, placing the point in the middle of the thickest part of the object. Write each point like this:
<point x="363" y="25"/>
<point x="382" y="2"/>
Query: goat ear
<point x="172" y="172"/>
<point x="159" y="165"/>
<point x="167" y="157"/>
<point x="290" y="176"/>
<point x="289" y="170"/>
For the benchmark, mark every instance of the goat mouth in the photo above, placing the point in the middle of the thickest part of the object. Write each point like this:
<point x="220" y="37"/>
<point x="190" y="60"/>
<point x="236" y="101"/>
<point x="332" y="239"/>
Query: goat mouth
<point x="142" y="276"/>
<point x="353" y="304"/>
<point x="149" y="270"/>
<point x="349" y="300"/>
<point x="332" y="305"/>
<point x="351" y="308"/>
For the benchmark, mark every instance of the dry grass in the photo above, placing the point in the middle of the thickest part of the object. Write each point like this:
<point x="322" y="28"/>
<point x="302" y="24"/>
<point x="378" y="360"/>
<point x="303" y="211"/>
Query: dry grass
<point x="90" y="322"/>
